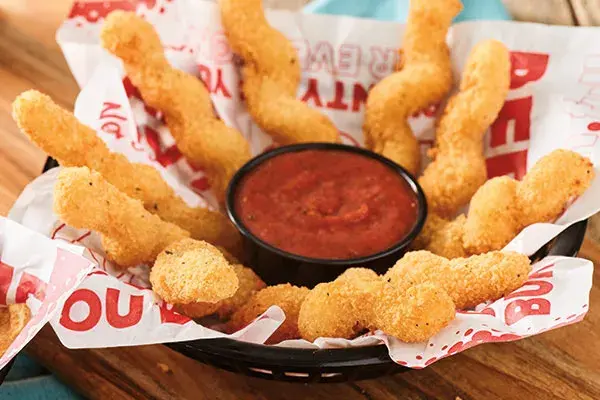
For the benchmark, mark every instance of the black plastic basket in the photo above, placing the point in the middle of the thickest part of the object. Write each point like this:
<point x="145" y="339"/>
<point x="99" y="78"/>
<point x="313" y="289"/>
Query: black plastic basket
<point x="330" y="365"/>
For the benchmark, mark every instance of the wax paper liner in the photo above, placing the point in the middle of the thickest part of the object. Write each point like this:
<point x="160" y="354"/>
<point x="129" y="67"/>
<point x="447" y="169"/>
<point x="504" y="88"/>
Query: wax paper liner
<point x="39" y="272"/>
<point x="555" y="85"/>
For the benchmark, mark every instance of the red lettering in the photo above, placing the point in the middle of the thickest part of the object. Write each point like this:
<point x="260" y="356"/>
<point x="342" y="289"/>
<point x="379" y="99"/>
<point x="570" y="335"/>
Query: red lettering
<point x="131" y="90"/>
<point x="171" y="317"/>
<point x="519" y="111"/>
<point x="359" y="96"/>
<point x="520" y="309"/>
<point x="543" y="288"/>
<point x="30" y="284"/>
<point x="349" y="60"/>
<point x="200" y="184"/>
<point x="133" y="316"/>
<point x="312" y="93"/>
<point x="108" y="106"/>
<point x="543" y="273"/>
<point x="164" y="157"/>
<point x="94" y="314"/>
<point x="220" y="85"/>
<point x="382" y="62"/>
<point x="508" y="164"/>
<point x="113" y="128"/>
<point x="322" y="57"/>
<point x="205" y="75"/>
<point x="338" y="100"/>
<point x="6" y="274"/>
<point x="526" y="67"/>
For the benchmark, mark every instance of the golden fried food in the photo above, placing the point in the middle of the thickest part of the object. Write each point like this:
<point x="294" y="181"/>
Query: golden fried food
<point x="414" y="315"/>
<point x="458" y="168"/>
<point x="469" y="281"/>
<point x="359" y="300"/>
<point x="497" y="216"/>
<point x="249" y="283"/>
<point x="130" y="234"/>
<point x="342" y="308"/>
<point x="494" y="217"/>
<point x="289" y="298"/>
<point x="201" y="136"/>
<point x="190" y="271"/>
<point x="13" y="319"/>
<point x="551" y="183"/>
<point x="425" y="78"/>
<point x="271" y="74"/>
<point x="502" y="207"/>
<point x="57" y="132"/>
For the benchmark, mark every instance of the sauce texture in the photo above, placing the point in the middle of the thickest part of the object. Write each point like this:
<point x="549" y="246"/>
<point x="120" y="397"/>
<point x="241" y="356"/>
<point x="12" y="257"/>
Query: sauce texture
<point x="326" y="204"/>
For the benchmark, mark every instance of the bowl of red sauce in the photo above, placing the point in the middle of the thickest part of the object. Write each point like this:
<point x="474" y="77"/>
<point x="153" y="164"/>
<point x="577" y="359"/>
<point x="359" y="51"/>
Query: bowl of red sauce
<point x="309" y="211"/>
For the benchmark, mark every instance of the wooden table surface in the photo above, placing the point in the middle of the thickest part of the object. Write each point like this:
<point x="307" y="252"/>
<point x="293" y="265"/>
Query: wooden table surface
<point x="564" y="363"/>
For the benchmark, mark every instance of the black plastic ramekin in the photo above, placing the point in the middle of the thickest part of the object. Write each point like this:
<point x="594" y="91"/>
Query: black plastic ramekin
<point x="278" y="266"/>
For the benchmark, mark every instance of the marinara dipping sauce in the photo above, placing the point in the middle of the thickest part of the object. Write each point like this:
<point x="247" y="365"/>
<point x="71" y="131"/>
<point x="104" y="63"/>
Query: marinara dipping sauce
<point x="328" y="203"/>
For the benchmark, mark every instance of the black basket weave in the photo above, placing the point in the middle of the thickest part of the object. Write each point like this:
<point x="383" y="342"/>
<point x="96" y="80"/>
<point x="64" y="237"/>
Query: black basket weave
<point x="327" y="365"/>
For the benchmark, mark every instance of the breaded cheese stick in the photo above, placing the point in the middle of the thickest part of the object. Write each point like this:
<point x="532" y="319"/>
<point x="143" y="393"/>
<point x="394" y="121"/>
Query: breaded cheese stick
<point x="73" y="144"/>
<point x="130" y="234"/>
<point x="458" y="168"/>
<point x="271" y="75"/>
<point x="424" y="79"/>
<point x="201" y="136"/>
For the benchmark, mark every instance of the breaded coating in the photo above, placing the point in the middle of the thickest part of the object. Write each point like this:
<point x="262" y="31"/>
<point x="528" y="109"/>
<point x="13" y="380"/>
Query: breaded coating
<point x="469" y="281"/>
<point x="447" y="241"/>
<point x="130" y="234"/>
<point x="289" y="298"/>
<point x="493" y="216"/>
<point x="248" y="284"/>
<point x="414" y="315"/>
<point x="271" y="75"/>
<point x="190" y="271"/>
<point x="73" y="144"/>
<point x="551" y="183"/>
<point x="342" y="308"/>
<point x="13" y="319"/>
<point x="458" y="168"/>
<point x="502" y="207"/>
<point x="201" y="136"/>
<point x="424" y="79"/>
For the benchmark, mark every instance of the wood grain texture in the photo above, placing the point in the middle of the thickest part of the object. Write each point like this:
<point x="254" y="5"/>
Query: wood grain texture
<point x="564" y="363"/>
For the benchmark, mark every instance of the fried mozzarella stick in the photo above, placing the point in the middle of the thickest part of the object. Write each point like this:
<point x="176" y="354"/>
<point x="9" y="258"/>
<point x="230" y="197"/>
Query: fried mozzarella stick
<point x="458" y="168"/>
<point x="249" y="283"/>
<point x="130" y="234"/>
<point x="271" y="74"/>
<point x="502" y="207"/>
<point x="189" y="271"/>
<point x="424" y="79"/>
<point x="469" y="281"/>
<point x="289" y="298"/>
<point x="495" y="218"/>
<point x="201" y="136"/>
<point x="13" y="319"/>
<point x="359" y="300"/>
<point x="73" y="144"/>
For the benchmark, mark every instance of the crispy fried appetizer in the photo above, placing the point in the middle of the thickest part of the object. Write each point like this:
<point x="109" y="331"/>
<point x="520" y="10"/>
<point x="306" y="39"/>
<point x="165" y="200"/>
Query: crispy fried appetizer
<point x="190" y="271"/>
<point x="271" y="74"/>
<point x="201" y="136"/>
<point x="130" y="234"/>
<point x="73" y="144"/>
<point x="502" y="207"/>
<point x="469" y="281"/>
<point x="13" y="319"/>
<point x="495" y="218"/>
<point x="425" y="78"/>
<point x="249" y="283"/>
<point x="359" y="300"/>
<point x="289" y="298"/>
<point x="458" y="168"/>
